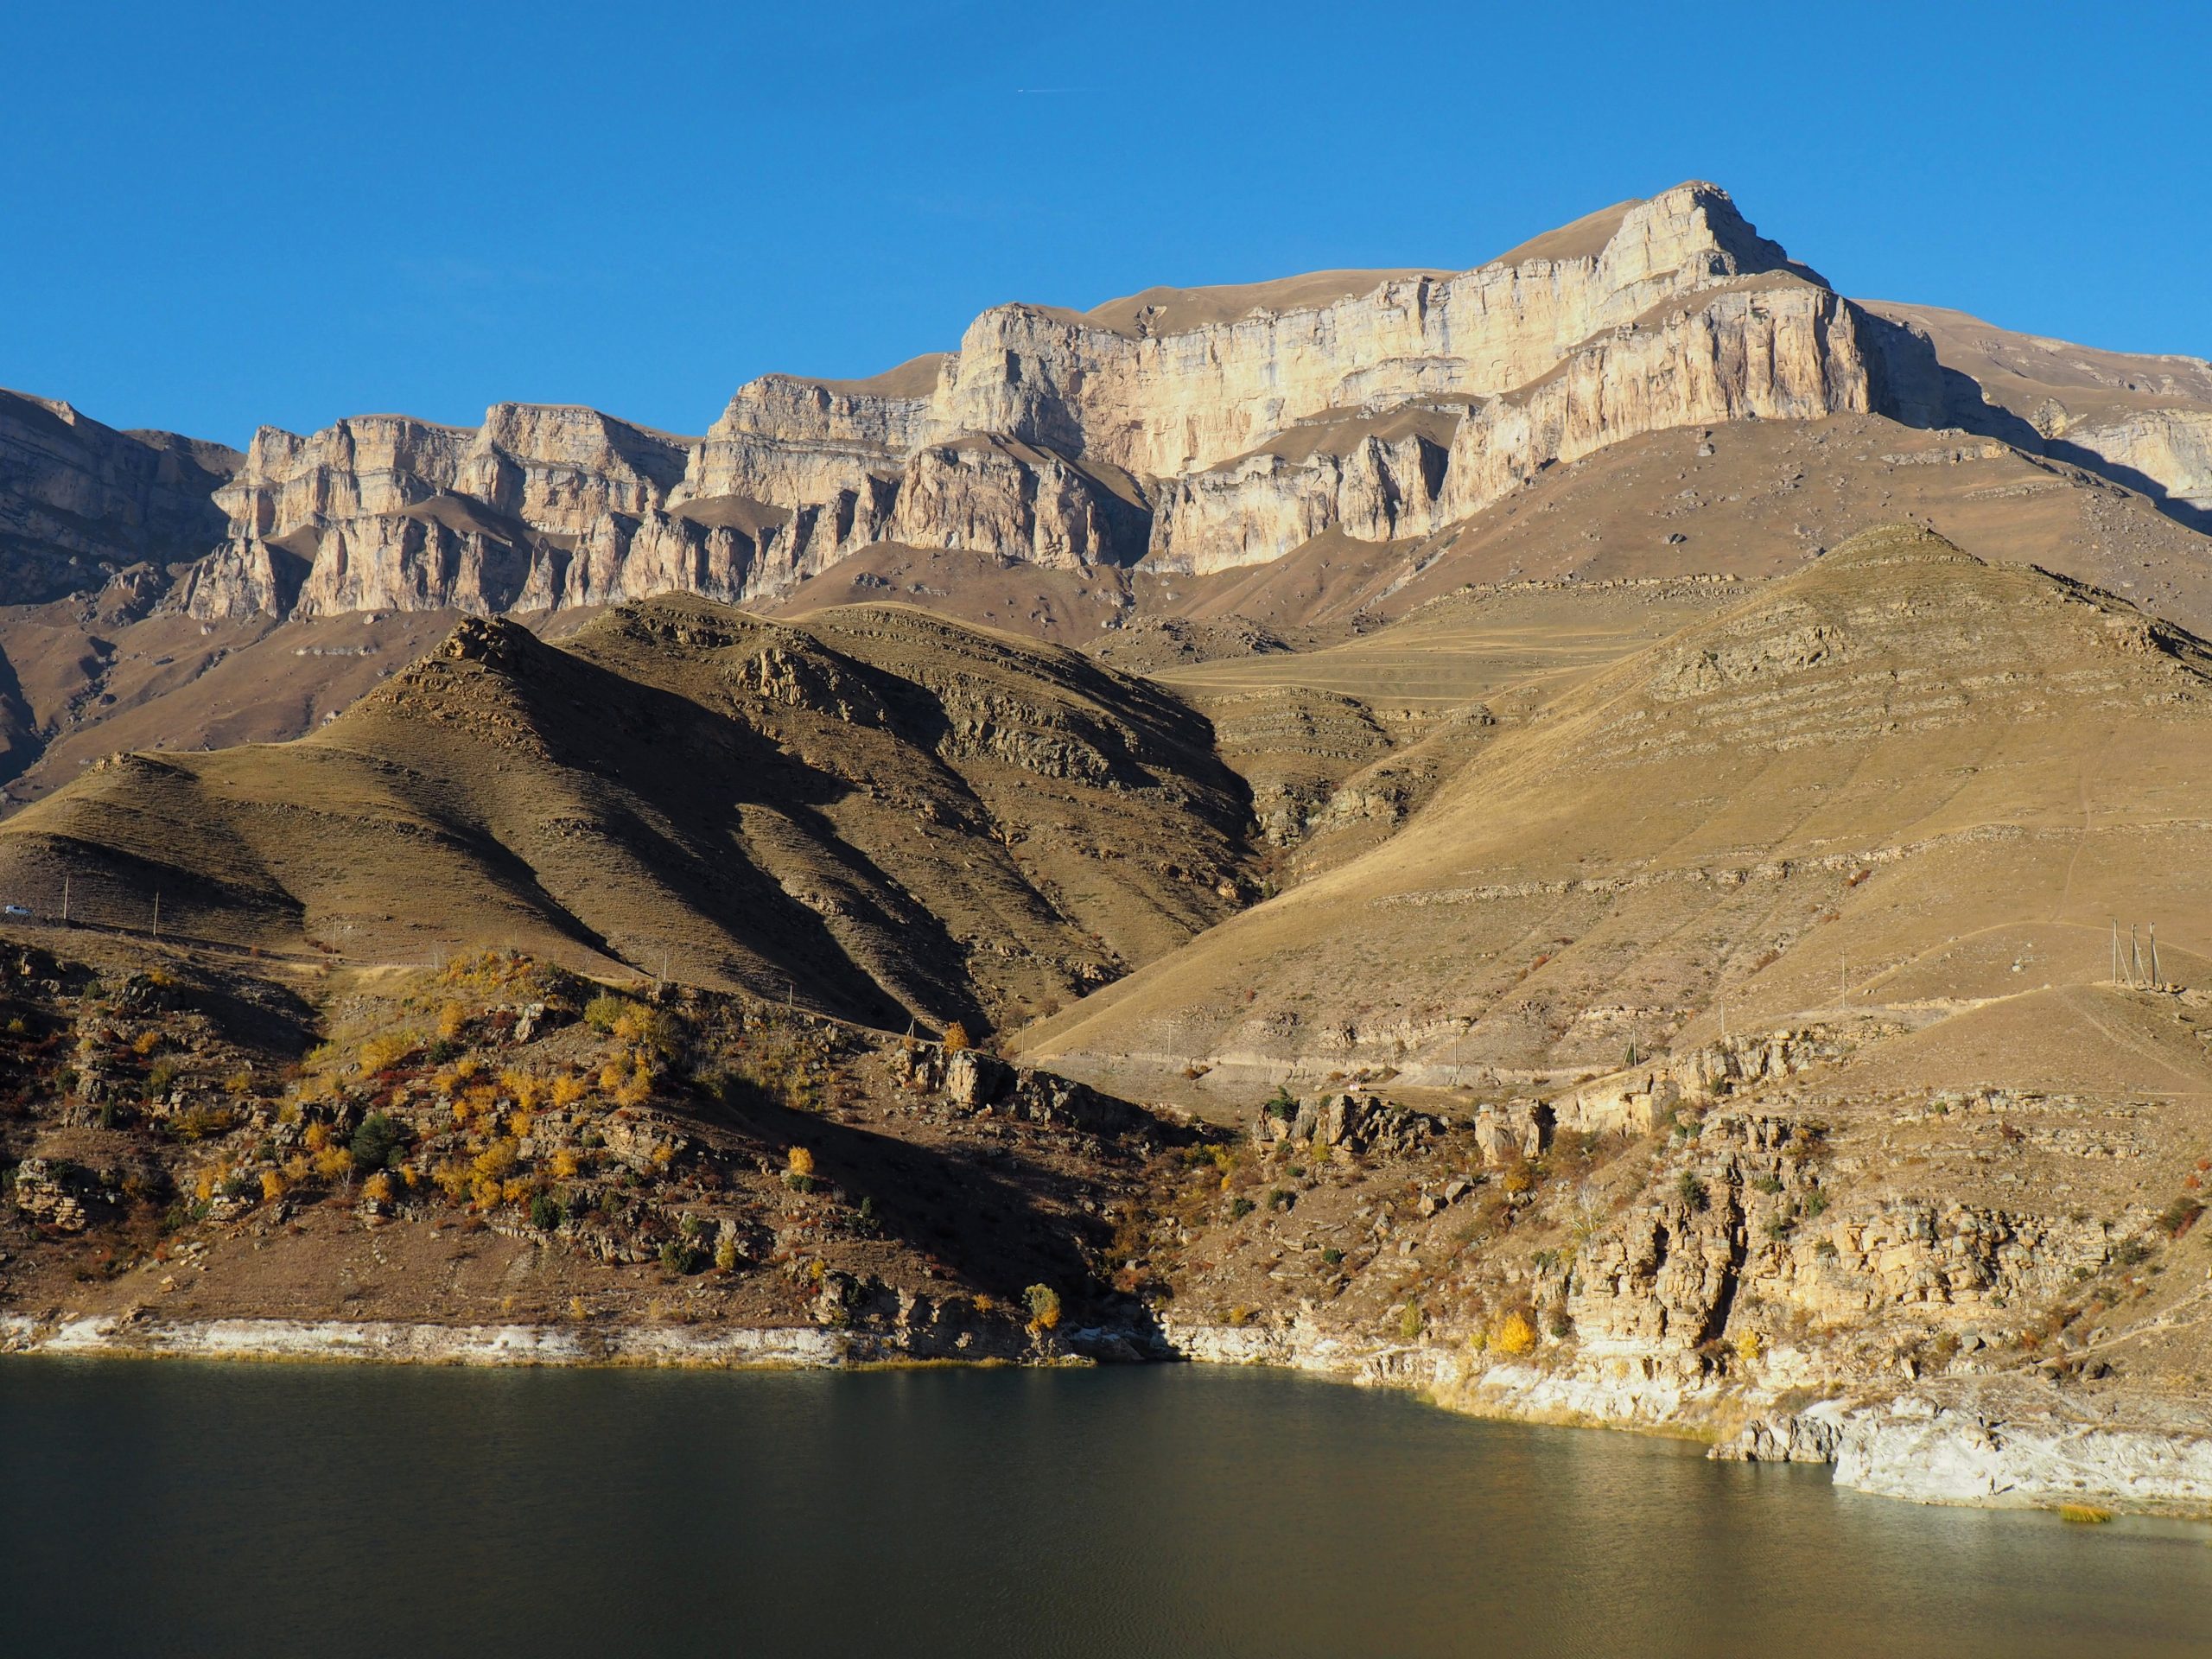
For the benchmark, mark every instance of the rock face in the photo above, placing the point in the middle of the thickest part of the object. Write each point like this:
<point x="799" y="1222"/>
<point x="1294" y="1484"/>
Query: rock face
<point x="1193" y="431"/>
<point x="80" y="501"/>
<point x="1188" y="432"/>
<point x="2143" y="420"/>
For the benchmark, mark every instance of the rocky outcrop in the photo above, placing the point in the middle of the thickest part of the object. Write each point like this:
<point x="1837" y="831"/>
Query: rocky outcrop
<point x="1358" y="1125"/>
<point x="2142" y="421"/>
<point x="80" y="501"/>
<point x="2017" y="1446"/>
<point x="1382" y="410"/>
<point x="977" y="1083"/>
<point x="1195" y="430"/>
<point x="1636" y="1099"/>
<point x="2166" y="451"/>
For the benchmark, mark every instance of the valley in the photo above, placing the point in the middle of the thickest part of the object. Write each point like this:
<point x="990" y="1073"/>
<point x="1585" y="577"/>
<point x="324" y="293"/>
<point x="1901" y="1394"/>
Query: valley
<point x="1614" y="837"/>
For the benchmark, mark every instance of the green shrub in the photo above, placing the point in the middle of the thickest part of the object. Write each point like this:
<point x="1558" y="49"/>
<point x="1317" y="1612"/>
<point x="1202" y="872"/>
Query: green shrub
<point x="379" y="1143"/>
<point x="1692" y="1190"/>
<point x="1239" y="1207"/>
<point x="680" y="1257"/>
<point x="160" y="1078"/>
<point x="1332" y="1256"/>
<point x="1281" y="1105"/>
<point x="603" y="1010"/>
<point x="546" y="1213"/>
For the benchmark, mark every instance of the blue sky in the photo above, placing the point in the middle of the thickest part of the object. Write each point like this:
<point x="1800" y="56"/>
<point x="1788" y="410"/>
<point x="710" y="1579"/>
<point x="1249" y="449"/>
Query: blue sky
<point x="224" y="215"/>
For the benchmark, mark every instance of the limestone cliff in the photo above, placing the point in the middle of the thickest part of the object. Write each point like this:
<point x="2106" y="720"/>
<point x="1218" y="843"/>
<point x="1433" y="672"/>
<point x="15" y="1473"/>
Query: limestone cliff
<point x="1190" y="430"/>
<point x="1196" y="430"/>
<point x="80" y="501"/>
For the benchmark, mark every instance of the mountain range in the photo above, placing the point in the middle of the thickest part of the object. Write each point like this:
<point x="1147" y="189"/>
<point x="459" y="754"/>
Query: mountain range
<point x="1612" y="834"/>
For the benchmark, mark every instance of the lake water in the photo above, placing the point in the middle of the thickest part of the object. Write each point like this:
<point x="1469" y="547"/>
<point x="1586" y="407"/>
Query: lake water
<point x="174" y="1508"/>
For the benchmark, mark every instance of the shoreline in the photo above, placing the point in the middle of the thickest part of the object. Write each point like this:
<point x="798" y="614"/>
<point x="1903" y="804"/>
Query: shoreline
<point x="2002" y="1443"/>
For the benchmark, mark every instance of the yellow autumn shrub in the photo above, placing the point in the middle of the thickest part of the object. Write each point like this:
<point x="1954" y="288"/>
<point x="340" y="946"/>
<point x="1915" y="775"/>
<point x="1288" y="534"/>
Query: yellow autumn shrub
<point x="1513" y="1334"/>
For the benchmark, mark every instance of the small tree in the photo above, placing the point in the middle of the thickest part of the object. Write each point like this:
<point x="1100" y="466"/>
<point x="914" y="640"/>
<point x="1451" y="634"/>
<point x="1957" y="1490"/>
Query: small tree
<point x="379" y="1142"/>
<point x="955" y="1038"/>
<point x="1514" y="1334"/>
<point x="1044" y="1307"/>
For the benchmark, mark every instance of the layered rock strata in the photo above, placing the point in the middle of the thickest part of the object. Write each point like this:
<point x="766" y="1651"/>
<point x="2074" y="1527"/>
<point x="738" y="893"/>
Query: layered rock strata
<point x="1196" y="436"/>
<point x="80" y="501"/>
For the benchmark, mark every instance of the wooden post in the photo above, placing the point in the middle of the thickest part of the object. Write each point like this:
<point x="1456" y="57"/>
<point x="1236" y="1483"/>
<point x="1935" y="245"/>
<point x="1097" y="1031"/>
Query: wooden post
<point x="2157" y="978"/>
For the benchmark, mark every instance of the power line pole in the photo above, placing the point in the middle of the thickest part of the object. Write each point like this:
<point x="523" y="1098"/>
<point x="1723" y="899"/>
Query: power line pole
<point x="157" y="919"/>
<point x="64" y="901"/>
<point x="2157" y="978"/>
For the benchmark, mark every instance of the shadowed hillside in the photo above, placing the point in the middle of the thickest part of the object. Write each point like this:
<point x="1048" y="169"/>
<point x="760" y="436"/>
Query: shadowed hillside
<point x="879" y="811"/>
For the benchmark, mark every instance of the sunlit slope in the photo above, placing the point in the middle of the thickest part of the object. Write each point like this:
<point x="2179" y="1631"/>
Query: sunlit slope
<point x="881" y="812"/>
<point x="1903" y="776"/>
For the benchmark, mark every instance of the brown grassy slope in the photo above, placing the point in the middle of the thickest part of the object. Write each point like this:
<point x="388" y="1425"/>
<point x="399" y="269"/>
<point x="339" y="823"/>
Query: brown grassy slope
<point x="886" y="811"/>
<point x="1341" y="744"/>
<point x="96" y="673"/>
<point x="1881" y="783"/>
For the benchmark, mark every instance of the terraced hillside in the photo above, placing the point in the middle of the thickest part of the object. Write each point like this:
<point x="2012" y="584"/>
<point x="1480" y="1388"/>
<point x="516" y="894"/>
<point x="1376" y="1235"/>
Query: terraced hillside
<point x="1903" y="780"/>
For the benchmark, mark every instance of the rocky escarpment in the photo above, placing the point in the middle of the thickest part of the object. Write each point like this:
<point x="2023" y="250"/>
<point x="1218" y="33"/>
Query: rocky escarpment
<point x="1190" y="431"/>
<point x="1192" y="436"/>
<point x="2143" y="420"/>
<point x="80" y="501"/>
<point x="1953" y="1298"/>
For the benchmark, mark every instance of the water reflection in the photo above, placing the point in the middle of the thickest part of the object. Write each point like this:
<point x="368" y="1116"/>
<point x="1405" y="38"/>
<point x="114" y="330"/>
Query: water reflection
<point x="165" y="1506"/>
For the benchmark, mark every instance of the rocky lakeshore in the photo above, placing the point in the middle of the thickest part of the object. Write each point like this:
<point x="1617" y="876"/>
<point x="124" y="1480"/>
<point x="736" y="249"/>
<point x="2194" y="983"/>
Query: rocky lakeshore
<point x="1993" y="1444"/>
<point x="2004" y="1444"/>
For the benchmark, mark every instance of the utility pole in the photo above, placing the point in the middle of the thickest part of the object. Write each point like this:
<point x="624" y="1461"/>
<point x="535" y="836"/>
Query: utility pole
<point x="65" y="900"/>
<point x="2157" y="978"/>
<point x="2115" y="950"/>
<point x="157" y="919"/>
<point x="2134" y="957"/>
